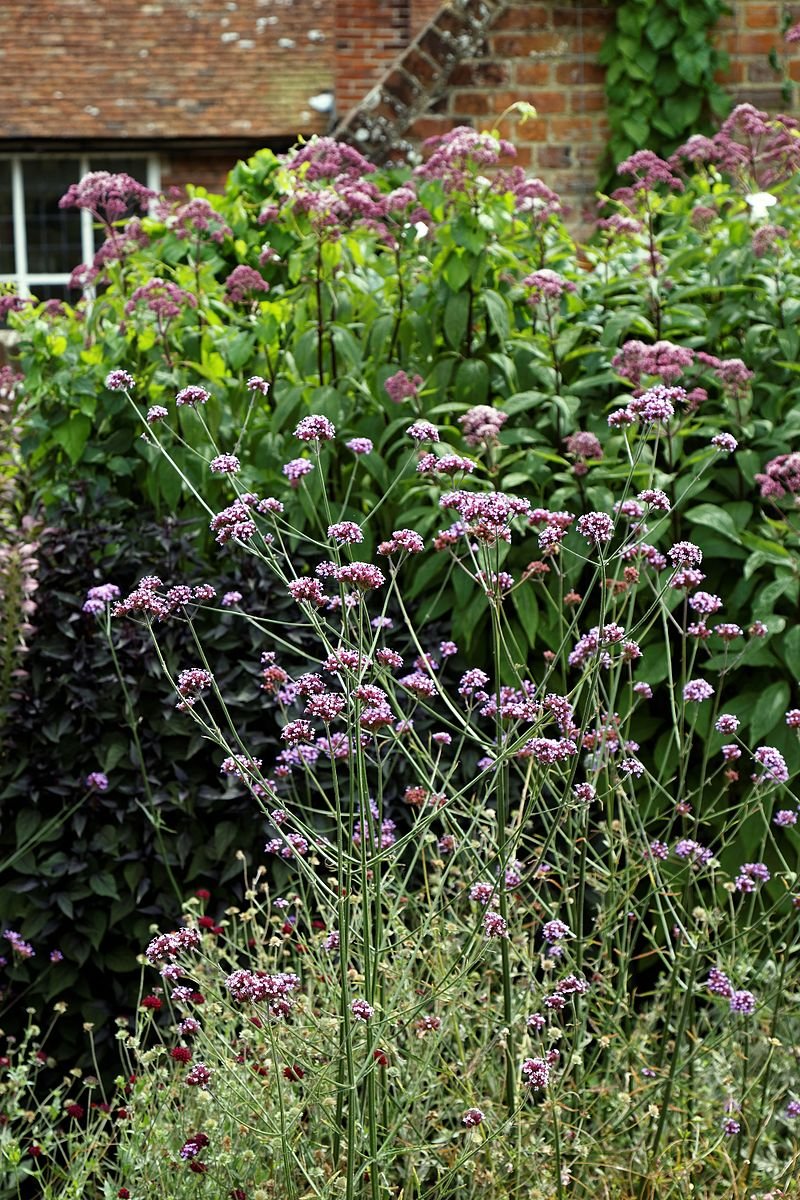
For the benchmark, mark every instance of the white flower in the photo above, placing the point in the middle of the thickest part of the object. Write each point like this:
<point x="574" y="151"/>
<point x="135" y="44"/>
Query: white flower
<point x="760" y="204"/>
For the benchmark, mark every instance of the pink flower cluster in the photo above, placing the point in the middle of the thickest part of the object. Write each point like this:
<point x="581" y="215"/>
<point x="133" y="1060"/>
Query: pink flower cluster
<point x="276" y="991"/>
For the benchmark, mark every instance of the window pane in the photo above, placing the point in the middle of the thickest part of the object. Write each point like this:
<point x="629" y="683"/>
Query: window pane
<point x="54" y="234"/>
<point x="6" y="221"/>
<point x="55" y="291"/>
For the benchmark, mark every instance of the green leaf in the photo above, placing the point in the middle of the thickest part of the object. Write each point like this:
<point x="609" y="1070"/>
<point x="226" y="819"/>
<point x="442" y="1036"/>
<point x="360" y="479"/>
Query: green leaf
<point x="525" y="602"/>
<point x="791" y="651"/>
<point x="104" y="884"/>
<point x="73" y="435"/>
<point x="239" y="349"/>
<point x="472" y="382"/>
<point x="683" y="110"/>
<point x="497" y="313"/>
<point x="28" y="821"/>
<point x="715" y="517"/>
<point x="456" y="312"/>
<point x="662" y="28"/>
<point x="772" y="704"/>
<point x="456" y="272"/>
<point x="637" y="129"/>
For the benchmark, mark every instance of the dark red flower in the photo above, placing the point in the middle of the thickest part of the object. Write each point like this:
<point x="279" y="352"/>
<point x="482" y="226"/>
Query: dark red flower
<point x="381" y="1058"/>
<point x="75" y="1110"/>
<point x="203" y="894"/>
<point x="293" y="1073"/>
<point x="153" y="1002"/>
<point x="123" y="1194"/>
<point x="199" y="1168"/>
<point x="34" y="1150"/>
<point x="181" y="1054"/>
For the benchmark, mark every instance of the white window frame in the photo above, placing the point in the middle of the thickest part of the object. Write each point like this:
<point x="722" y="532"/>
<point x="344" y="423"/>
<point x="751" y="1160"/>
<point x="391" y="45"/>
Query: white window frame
<point x="25" y="281"/>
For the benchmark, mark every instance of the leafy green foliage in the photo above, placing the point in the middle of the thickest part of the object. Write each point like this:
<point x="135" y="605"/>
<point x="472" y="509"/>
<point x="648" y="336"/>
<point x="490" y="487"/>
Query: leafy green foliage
<point x="443" y="297"/>
<point x="660" y="74"/>
<point x="86" y="871"/>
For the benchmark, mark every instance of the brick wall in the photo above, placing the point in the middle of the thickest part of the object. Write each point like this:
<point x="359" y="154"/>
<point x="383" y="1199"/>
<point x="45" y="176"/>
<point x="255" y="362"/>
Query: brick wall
<point x="749" y="34"/>
<point x="545" y="52"/>
<point x="370" y="34"/>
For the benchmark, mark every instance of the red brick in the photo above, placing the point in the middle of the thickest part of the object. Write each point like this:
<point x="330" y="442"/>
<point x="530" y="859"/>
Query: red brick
<point x="547" y="102"/>
<point x="734" y="73"/>
<point x="555" y="156"/>
<point x="565" y="129"/>
<point x="478" y="104"/>
<point x="580" y="72"/>
<point x="752" y="43"/>
<point x="762" y="16"/>
<point x="514" y="46"/>
<point x="522" y="18"/>
<point x="587" y="100"/>
<point x="761" y="71"/>
<point x="490" y="73"/>
<point x="763" y="97"/>
<point x="425" y="127"/>
<point x="532" y="73"/>
<point x="579" y="17"/>
<point x="537" y="131"/>
<point x="420" y="67"/>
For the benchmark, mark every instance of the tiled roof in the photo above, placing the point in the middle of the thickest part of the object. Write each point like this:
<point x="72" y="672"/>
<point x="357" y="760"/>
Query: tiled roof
<point x="152" y="69"/>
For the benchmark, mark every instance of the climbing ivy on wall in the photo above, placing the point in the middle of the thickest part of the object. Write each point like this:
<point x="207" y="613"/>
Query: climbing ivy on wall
<point x="660" y="65"/>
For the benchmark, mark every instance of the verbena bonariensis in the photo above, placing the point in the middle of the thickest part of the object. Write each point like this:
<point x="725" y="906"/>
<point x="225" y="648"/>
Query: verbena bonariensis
<point x="495" y="941"/>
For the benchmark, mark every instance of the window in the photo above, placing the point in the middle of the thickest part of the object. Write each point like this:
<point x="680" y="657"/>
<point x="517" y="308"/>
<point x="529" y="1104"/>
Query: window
<point x="40" y="243"/>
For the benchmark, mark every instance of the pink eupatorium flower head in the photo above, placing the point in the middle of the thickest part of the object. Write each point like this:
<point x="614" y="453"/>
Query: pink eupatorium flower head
<point x="546" y="285"/>
<point x="481" y="425"/>
<point x="243" y="282"/>
<point x="109" y="196"/>
<point x="648" y="171"/>
<point x="162" y="298"/>
<point x="402" y="387"/>
<point x="781" y="475"/>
